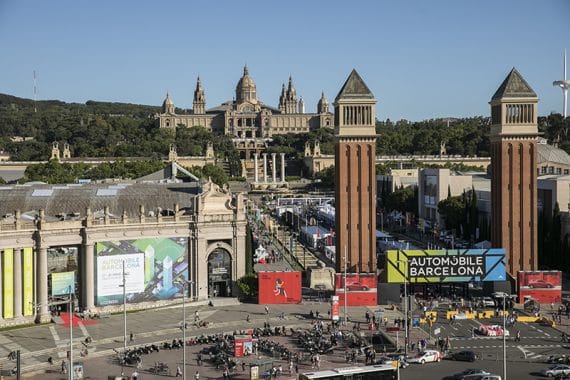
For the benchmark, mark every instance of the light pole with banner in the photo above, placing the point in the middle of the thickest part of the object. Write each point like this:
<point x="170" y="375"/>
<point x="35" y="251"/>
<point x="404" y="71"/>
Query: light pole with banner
<point x="405" y="306"/>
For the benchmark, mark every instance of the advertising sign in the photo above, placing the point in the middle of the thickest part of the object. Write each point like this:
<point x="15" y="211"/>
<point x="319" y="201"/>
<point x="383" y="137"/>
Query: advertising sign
<point x="8" y="277"/>
<point x="361" y="289"/>
<point x="451" y="265"/>
<point x="243" y="345"/>
<point x="156" y="269"/>
<point x="110" y="274"/>
<point x="334" y="308"/>
<point x="62" y="283"/>
<point x="28" y="281"/>
<point x="279" y="287"/>
<point x="542" y="286"/>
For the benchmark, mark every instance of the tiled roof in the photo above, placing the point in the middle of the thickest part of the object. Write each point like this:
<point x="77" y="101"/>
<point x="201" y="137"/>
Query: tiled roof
<point x="70" y="199"/>
<point x="354" y="88"/>
<point x="514" y="86"/>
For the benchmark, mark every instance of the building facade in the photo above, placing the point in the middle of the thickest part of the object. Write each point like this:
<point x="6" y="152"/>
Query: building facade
<point x="355" y="177"/>
<point x="514" y="132"/>
<point x="248" y="120"/>
<point x="57" y="240"/>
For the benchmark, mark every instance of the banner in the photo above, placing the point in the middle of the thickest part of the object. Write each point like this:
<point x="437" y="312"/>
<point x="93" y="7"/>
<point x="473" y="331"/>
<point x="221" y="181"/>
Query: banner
<point x="110" y="274"/>
<point x="8" y="277"/>
<point x="453" y="265"/>
<point x="542" y="286"/>
<point x="361" y="289"/>
<point x="243" y="345"/>
<point x="335" y="315"/>
<point x="156" y="269"/>
<point x="28" y="281"/>
<point x="62" y="283"/>
<point x="279" y="287"/>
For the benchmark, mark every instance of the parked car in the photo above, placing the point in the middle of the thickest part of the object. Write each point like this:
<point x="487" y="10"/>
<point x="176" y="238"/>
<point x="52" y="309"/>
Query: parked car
<point x="492" y="330"/>
<point x="464" y="356"/>
<point x="468" y="372"/>
<point x="556" y="370"/>
<point x="395" y="362"/>
<point x="426" y="357"/>
<point x="488" y="302"/>
<point x="539" y="284"/>
<point x="356" y="286"/>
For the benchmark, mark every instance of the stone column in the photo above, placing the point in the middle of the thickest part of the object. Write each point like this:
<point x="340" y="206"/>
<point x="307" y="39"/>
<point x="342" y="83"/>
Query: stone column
<point x="88" y="276"/>
<point x="17" y="283"/>
<point x="265" y="167"/>
<point x="274" y="166"/>
<point x="41" y="284"/>
<point x="282" y="167"/>
<point x="255" y="173"/>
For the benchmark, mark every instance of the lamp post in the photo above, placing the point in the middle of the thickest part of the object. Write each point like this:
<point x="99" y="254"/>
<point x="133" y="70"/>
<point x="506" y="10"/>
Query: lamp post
<point x="345" y="295"/>
<point x="504" y="341"/>
<point x="70" y="334"/>
<point x="405" y="307"/>
<point x="184" y="289"/>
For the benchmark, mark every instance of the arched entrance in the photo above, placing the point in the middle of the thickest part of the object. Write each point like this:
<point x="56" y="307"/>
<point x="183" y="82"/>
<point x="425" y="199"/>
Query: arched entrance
<point x="219" y="273"/>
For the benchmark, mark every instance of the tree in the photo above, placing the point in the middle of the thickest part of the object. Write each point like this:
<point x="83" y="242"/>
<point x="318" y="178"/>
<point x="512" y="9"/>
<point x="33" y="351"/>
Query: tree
<point x="452" y="210"/>
<point x="215" y="173"/>
<point x="248" y="286"/>
<point x="403" y="199"/>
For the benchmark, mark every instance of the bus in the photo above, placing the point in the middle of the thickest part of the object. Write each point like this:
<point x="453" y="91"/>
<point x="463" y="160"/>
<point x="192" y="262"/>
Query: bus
<point x="371" y="372"/>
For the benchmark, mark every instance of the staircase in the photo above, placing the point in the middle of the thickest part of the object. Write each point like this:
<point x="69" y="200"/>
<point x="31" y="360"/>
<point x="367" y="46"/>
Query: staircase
<point x="302" y="255"/>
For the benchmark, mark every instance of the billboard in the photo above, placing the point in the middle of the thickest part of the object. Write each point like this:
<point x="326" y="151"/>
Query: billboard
<point x="542" y="286"/>
<point x="62" y="283"/>
<point x="361" y="289"/>
<point x="446" y="265"/>
<point x="155" y="269"/>
<point x="279" y="287"/>
<point x="8" y="277"/>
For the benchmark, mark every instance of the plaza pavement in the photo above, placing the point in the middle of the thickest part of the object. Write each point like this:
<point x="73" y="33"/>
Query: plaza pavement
<point x="38" y="343"/>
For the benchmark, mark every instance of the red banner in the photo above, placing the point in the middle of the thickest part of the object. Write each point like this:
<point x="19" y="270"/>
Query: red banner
<point x="361" y="289"/>
<point x="542" y="286"/>
<point x="279" y="287"/>
<point x="334" y="308"/>
<point x="243" y="345"/>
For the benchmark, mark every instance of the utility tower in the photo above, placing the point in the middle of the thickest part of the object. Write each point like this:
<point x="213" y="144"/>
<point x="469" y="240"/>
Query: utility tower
<point x="564" y="84"/>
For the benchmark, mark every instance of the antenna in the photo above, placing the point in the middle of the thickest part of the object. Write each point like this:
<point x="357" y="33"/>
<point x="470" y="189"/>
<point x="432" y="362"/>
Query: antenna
<point x="35" y="93"/>
<point x="564" y="84"/>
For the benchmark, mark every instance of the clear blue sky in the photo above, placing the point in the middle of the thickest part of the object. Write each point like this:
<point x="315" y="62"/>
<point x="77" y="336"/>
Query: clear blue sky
<point x="422" y="59"/>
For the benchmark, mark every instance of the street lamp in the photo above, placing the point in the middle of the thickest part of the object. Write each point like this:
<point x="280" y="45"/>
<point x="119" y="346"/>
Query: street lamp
<point x="504" y="341"/>
<point x="184" y="289"/>
<point x="70" y="334"/>
<point x="405" y="307"/>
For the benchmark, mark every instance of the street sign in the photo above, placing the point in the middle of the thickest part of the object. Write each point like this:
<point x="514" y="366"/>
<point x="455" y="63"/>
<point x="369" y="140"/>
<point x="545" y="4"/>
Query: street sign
<point x="437" y="331"/>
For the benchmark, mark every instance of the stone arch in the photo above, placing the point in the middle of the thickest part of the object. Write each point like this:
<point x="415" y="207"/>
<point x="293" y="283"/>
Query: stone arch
<point x="221" y="269"/>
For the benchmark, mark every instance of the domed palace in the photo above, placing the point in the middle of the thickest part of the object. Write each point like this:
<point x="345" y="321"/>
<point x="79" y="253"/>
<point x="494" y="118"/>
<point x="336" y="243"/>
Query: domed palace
<point x="247" y="119"/>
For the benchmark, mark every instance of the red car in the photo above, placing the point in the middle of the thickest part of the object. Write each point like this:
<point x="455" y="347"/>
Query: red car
<point x="356" y="286"/>
<point x="539" y="284"/>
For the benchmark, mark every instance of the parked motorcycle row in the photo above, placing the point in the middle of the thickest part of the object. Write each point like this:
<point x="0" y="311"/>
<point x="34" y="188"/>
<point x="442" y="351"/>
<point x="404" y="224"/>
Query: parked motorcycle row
<point x="315" y="342"/>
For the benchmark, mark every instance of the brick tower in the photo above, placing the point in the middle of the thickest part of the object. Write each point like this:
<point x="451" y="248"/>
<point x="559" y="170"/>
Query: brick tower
<point x="355" y="175"/>
<point x="514" y="131"/>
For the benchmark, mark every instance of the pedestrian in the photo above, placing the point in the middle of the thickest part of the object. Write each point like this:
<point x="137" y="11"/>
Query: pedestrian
<point x="296" y="368"/>
<point x="197" y="376"/>
<point x="63" y="367"/>
<point x="367" y="316"/>
<point x="135" y="375"/>
<point x="131" y="337"/>
<point x="247" y="319"/>
<point x="178" y="371"/>
<point x="243" y="366"/>
<point x="199" y="359"/>
<point x="266" y="310"/>
<point x="518" y="338"/>
<point x="290" y="367"/>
